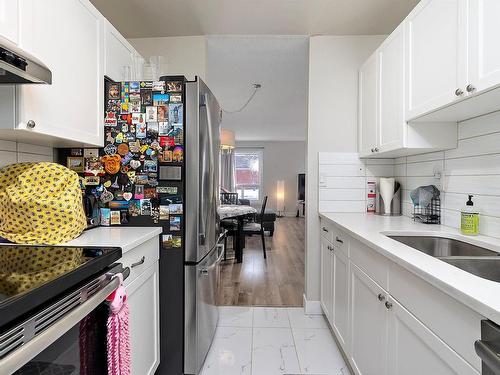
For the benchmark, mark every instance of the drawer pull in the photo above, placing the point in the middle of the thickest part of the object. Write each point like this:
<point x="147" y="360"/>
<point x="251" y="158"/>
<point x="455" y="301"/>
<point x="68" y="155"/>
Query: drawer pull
<point x="143" y="259"/>
<point x="381" y="297"/>
<point x="325" y="230"/>
<point x="338" y="240"/>
<point x="388" y="305"/>
<point x="331" y="248"/>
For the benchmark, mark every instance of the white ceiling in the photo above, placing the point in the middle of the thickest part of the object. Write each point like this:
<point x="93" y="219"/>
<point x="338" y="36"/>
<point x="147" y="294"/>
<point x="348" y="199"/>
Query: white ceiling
<point x="155" y="18"/>
<point x="280" y="63"/>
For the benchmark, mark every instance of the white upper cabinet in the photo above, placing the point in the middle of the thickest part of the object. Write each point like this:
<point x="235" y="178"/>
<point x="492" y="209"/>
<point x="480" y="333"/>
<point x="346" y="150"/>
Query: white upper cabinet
<point x="67" y="36"/>
<point x="436" y="55"/>
<point x="9" y="20"/>
<point x="118" y="55"/>
<point x="368" y="106"/>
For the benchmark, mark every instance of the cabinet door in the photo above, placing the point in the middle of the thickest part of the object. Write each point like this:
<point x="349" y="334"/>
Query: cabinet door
<point x="484" y="55"/>
<point x="9" y="20"/>
<point x="436" y="60"/>
<point x="391" y="91"/>
<point x="414" y="349"/>
<point x="67" y="36"/>
<point x="118" y="54"/>
<point x="367" y="136"/>
<point x="368" y="324"/>
<point x="143" y="300"/>
<point x="327" y="279"/>
<point x="341" y="295"/>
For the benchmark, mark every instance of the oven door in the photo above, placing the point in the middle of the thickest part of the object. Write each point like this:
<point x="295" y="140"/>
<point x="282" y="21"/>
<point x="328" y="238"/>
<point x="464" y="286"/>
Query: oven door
<point x="67" y="337"/>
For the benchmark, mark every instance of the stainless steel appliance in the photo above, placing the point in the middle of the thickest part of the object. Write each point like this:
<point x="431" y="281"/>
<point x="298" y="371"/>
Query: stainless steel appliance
<point x="52" y="319"/>
<point x="488" y="348"/>
<point x="18" y="66"/>
<point x="204" y="247"/>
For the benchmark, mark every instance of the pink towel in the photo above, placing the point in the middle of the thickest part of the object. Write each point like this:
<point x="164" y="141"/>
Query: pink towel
<point x="119" y="342"/>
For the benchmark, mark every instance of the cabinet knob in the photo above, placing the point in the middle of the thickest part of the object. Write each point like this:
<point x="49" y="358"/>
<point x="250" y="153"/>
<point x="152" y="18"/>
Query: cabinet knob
<point x="31" y="124"/>
<point x="459" y="92"/>
<point x="388" y="305"/>
<point x="376" y="149"/>
<point x="470" y="88"/>
<point x="330" y="248"/>
<point x="381" y="297"/>
<point x="372" y="150"/>
<point x="204" y="272"/>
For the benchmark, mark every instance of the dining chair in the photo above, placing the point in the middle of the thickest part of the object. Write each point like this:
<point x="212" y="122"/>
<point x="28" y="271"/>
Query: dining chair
<point x="257" y="228"/>
<point x="229" y="198"/>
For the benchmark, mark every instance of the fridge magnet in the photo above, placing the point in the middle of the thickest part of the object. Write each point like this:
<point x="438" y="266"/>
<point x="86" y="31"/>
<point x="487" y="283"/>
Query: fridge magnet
<point x="175" y="223"/>
<point x="124" y="107"/>
<point x="118" y="196"/>
<point x="124" y="127"/>
<point x="131" y="176"/>
<point x="76" y="164"/>
<point x="141" y="131"/>
<point x="123" y="149"/>
<point x="153" y="182"/>
<point x="105" y="216"/>
<point x="146" y="84"/>
<point x="174" y="86"/>
<point x="145" y="207"/>
<point x="175" y="98"/>
<point x="76" y="152"/>
<point x="135" y="107"/>
<point x="109" y="137"/>
<point x="153" y="128"/>
<point x="166" y="241"/>
<point x="166" y="190"/>
<point x="134" y="97"/>
<point x="162" y="113"/>
<point x="163" y="128"/>
<point x="175" y="113"/>
<point x="110" y="149"/>
<point x="134" y="208"/>
<point x="151" y="114"/>
<point x="129" y="137"/>
<point x="127" y="158"/>
<point x="175" y="209"/>
<point x="176" y="241"/>
<point x="135" y="163"/>
<point x="119" y="204"/>
<point x="155" y="214"/>
<point x="124" y="218"/>
<point x="158" y="85"/>
<point x="93" y="167"/>
<point x="179" y="138"/>
<point x="91" y="180"/>
<point x="164" y="213"/>
<point x="150" y="166"/>
<point x="168" y="156"/>
<point x="89" y="152"/>
<point x="110" y="119"/>
<point x="119" y="138"/>
<point x="139" y="192"/>
<point x="134" y="87"/>
<point x="142" y="157"/>
<point x="150" y="193"/>
<point x="115" y="218"/>
<point x="106" y="197"/>
<point x="114" y="91"/>
<point x="112" y="163"/>
<point x="172" y="200"/>
<point x="177" y="154"/>
<point x="126" y="118"/>
<point x="146" y="97"/>
<point x="135" y="146"/>
<point x="127" y="195"/>
<point x="113" y="105"/>
<point x="160" y="99"/>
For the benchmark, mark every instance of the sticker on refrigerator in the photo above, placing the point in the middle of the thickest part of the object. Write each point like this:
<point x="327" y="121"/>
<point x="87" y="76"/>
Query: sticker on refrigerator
<point x="151" y="114"/>
<point x="139" y="192"/>
<point x="175" y="113"/>
<point x="164" y="212"/>
<point x="175" y="223"/>
<point x="146" y="207"/>
<point x="115" y="218"/>
<point x="105" y="216"/>
<point x="160" y="99"/>
<point x="114" y="91"/>
<point x="166" y="241"/>
<point x="175" y="98"/>
<point x="158" y="85"/>
<point x="110" y="119"/>
<point x="176" y="241"/>
<point x="174" y="86"/>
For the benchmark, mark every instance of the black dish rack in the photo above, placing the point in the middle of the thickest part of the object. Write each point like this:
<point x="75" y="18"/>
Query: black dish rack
<point x="430" y="214"/>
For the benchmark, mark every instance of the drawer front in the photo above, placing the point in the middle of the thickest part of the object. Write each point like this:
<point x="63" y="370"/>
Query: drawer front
<point x="141" y="258"/>
<point x="454" y="323"/>
<point x="326" y="229"/>
<point x="372" y="263"/>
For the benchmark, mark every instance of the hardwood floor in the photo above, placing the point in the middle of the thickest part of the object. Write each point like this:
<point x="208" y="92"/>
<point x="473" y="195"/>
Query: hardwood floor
<point x="275" y="281"/>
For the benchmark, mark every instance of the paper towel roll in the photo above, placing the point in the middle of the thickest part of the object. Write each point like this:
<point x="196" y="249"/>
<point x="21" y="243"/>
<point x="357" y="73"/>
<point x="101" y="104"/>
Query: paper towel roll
<point x="387" y="192"/>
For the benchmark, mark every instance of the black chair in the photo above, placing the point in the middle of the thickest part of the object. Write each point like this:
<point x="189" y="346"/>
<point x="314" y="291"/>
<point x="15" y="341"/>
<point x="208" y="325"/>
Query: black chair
<point x="229" y="198"/>
<point x="230" y="225"/>
<point x="257" y="228"/>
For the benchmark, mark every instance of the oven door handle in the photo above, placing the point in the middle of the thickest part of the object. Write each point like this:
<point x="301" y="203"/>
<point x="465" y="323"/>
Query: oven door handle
<point x="19" y="357"/>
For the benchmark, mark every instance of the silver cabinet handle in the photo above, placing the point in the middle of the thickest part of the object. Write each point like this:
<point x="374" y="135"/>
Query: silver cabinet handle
<point x="325" y="230"/>
<point x="143" y="259"/>
<point x="470" y="88"/>
<point x="381" y="297"/>
<point x="338" y="240"/>
<point x="376" y="149"/>
<point x="388" y="305"/>
<point x="459" y="92"/>
<point x="31" y="124"/>
<point x="329" y="248"/>
<point x="204" y="272"/>
<point x="372" y="150"/>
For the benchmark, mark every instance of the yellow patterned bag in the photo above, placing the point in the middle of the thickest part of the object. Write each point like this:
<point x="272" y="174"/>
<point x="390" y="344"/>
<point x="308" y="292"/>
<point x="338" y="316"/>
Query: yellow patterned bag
<point x="40" y="203"/>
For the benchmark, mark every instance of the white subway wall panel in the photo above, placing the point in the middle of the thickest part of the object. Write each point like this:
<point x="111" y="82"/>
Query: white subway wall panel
<point x="13" y="152"/>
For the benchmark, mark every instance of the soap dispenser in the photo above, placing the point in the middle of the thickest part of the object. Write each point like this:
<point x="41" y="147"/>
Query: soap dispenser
<point x="469" y="223"/>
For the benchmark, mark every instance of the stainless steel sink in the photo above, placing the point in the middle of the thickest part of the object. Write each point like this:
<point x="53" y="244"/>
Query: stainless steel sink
<point x="486" y="268"/>
<point x="444" y="247"/>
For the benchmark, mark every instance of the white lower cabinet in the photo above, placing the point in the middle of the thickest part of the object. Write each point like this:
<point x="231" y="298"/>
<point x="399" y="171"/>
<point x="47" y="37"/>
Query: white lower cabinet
<point x="326" y="279"/>
<point x="143" y="301"/>
<point x="341" y="295"/>
<point x="369" y="325"/>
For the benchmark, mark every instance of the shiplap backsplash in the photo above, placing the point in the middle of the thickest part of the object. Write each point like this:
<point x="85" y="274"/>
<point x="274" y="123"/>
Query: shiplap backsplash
<point x="472" y="168"/>
<point x="14" y="152"/>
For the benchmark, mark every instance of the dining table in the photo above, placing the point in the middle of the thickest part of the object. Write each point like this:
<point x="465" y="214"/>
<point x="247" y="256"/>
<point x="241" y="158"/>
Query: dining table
<point x="238" y="212"/>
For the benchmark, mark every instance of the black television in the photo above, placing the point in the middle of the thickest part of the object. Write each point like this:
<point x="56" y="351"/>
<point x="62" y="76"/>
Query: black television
<point x="301" y="186"/>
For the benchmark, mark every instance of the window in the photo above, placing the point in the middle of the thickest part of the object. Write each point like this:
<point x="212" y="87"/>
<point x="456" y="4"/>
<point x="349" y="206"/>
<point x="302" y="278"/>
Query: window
<point x="248" y="168"/>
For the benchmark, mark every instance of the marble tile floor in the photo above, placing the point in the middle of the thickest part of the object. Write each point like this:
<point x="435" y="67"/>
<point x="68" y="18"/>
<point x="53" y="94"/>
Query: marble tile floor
<point x="268" y="341"/>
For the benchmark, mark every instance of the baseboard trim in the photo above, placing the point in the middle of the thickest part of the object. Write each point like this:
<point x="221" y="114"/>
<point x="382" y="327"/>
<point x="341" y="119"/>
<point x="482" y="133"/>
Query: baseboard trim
<point x="312" y="307"/>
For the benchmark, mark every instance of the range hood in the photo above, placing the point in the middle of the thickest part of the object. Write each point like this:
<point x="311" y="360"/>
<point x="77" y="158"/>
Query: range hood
<point x="17" y="66"/>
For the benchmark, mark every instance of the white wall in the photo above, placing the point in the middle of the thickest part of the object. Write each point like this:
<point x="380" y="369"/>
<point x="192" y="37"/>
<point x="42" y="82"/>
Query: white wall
<point x="185" y="55"/>
<point x="13" y="152"/>
<point x="282" y="160"/>
<point x="332" y="123"/>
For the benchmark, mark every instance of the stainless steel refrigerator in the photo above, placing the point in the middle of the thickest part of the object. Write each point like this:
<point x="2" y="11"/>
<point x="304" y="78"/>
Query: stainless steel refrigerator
<point x="204" y="247"/>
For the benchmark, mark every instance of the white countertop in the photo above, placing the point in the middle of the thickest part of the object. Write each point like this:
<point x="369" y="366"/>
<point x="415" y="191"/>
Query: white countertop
<point x="126" y="238"/>
<point x="479" y="294"/>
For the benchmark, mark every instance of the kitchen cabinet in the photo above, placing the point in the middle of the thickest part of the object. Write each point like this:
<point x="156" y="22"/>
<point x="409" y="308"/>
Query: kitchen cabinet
<point x="340" y="294"/>
<point x="326" y="279"/>
<point x="415" y="350"/>
<point x="368" y="106"/>
<point x="144" y="323"/>
<point x="118" y="56"/>
<point x="369" y="324"/>
<point x="9" y="20"/>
